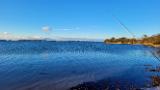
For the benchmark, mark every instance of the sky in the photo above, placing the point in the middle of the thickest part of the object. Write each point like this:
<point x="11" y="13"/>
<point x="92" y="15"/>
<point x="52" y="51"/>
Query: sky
<point x="91" y="19"/>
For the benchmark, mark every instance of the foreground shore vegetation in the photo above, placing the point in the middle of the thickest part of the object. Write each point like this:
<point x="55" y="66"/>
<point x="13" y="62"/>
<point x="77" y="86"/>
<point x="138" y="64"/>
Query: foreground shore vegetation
<point x="153" y="40"/>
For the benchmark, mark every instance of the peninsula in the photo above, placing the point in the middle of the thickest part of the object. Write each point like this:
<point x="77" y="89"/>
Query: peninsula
<point x="153" y="40"/>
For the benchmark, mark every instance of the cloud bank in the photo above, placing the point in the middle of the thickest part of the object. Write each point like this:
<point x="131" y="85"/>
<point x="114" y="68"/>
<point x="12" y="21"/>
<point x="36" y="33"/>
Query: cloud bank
<point x="9" y="36"/>
<point x="13" y="37"/>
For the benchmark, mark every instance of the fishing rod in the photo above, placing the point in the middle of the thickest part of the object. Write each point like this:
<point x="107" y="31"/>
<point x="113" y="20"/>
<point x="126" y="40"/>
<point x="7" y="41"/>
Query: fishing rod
<point x="132" y="34"/>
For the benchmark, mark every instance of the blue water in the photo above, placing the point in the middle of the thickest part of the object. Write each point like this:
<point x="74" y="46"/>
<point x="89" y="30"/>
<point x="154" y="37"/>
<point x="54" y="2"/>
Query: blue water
<point x="44" y="65"/>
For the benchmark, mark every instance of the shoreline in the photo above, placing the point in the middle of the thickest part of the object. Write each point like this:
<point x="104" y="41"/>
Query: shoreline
<point x="153" y="41"/>
<point x="150" y="45"/>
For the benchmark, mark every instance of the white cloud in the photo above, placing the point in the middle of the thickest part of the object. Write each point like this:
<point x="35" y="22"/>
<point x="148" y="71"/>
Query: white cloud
<point x="6" y="33"/>
<point x="9" y="36"/>
<point x="68" y="29"/>
<point x="46" y="29"/>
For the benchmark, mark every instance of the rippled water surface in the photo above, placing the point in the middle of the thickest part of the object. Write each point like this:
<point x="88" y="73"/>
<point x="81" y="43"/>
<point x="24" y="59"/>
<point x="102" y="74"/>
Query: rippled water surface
<point x="42" y="65"/>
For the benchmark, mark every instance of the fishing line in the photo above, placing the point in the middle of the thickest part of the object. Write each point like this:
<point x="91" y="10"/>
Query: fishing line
<point x="131" y="33"/>
<point x="123" y="26"/>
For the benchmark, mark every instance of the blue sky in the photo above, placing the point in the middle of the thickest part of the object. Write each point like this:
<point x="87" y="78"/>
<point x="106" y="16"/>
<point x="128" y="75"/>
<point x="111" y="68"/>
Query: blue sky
<point x="79" y="18"/>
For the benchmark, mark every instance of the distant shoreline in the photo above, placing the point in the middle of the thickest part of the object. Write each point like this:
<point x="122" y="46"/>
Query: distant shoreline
<point x="47" y="41"/>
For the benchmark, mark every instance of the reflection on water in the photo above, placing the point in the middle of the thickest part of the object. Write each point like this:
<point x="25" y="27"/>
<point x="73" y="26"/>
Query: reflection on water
<point x="157" y="52"/>
<point x="105" y="84"/>
<point x="42" y="65"/>
<point x="155" y="77"/>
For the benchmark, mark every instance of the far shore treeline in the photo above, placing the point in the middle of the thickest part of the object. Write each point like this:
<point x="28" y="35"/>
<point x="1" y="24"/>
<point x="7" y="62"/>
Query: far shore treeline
<point x="153" y="40"/>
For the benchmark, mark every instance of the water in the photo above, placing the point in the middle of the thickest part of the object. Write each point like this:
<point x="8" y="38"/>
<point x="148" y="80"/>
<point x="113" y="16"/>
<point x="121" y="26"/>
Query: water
<point x="42" y="65"/>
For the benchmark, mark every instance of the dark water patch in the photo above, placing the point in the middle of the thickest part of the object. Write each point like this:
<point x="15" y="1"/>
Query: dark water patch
<point x="106" y="85"/>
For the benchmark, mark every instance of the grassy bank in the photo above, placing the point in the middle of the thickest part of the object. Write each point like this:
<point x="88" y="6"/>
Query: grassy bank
<point x="153" y="40"/>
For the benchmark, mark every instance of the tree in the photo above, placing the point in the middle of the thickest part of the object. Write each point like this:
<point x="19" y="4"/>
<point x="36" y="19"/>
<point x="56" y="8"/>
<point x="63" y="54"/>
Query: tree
<point x="145" y="36"/>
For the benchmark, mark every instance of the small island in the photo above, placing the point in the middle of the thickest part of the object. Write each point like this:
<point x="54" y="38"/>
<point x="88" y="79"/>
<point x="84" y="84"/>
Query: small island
<point x="153" y="40"/>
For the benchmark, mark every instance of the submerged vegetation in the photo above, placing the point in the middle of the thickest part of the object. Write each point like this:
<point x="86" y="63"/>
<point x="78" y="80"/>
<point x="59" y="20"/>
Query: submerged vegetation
<point x="153" y="40"/>
<point x="104" y="85"/>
